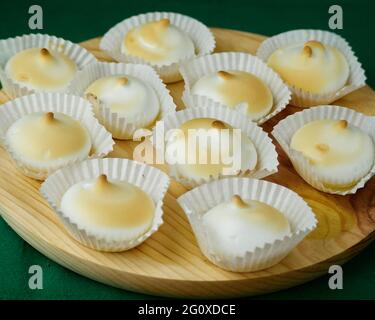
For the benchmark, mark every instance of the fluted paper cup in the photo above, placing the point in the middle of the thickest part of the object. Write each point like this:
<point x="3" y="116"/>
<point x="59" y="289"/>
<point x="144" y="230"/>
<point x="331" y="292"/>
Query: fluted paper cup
<point x="267" y="157"/>
<point x="201" y="36"/>
<point x="301" y="218"/>
<point x="119" y="126"/>
<point x="9" y="47"/>
<point x="302" y="98"/>
<point x="151" y="180"/>
<point x="285" y="129"/>
<point x="195" y="69"/>
<point x="74" y="106"/>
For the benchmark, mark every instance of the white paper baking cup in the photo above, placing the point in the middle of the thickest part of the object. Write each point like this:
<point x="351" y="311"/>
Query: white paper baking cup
<point x="151" y="180"/>
<point x="285" y="129"/>
<point x="301" y="218"/>
<point x="267" y="156"/>
<point x="201" y="36"/>
<point x="195" y="69"/>
<point x="9" y="47"/>
<point x="301" y="98"/>
<point x="116" y="124"/>
<point x="74" y="106"/>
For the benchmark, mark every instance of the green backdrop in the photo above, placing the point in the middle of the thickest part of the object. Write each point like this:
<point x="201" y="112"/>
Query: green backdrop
<point x="81" y="20"/>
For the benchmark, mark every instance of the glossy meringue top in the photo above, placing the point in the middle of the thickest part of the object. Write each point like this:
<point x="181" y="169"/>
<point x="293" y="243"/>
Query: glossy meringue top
<point x="311" y="66"/>
<point x="158" y="42"/>
<point x="234" y="87"/>
<point x="223" y="145"/>
<point x="238" y="226"/>
<point x="48" y="136"/>
<point x="41" y="69"/>
<point x="128" y="96"/>
<point x="332" y="143"/>
<point x="107" y="203"/>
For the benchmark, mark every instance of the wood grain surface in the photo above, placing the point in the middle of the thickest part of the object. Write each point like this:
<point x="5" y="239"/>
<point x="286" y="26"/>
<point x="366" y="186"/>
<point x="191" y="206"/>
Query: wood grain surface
<point x="170" y="262"/>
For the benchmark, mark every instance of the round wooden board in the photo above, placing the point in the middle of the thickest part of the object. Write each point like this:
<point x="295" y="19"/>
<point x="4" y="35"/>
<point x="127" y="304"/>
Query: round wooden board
<point x="170" y="263"/>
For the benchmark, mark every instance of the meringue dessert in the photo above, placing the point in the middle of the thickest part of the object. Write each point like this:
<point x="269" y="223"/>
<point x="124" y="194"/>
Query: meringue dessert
<point x="339" y="153"/>
<point x="46" y="140"/>
<point x="311" y="66"/>
<point x="127" y="96"/>
<point x="41" y="69"/>
<point x="238" y="226"/>
<point x="232" y="88"/>
<point x="158" y="42"/>
<point x="217" y="161"/>
<point x="107" y="208"/>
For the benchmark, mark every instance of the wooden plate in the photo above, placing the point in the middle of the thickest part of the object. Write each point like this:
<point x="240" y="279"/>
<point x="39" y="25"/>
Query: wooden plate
<point x="170" y="263"/>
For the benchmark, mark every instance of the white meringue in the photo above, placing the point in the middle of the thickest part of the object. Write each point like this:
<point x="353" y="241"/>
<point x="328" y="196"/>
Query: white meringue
<point x="129" y="97"/>
<point x="239" y="226"/>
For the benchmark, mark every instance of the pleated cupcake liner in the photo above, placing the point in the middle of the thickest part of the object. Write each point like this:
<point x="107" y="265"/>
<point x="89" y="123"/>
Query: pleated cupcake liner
<point x="151" y="180"/>
<point x="9" y="47"/>
<point x="267" y="156"/>
<point x="201" y="36"/>
<point x="119" y="126"/>
<point x="197" y="202"/>
<point x="285" y="129"/>
<point x="195" y="69"/>
<point x="302" y="98"/>
<point x="74" y="106"/>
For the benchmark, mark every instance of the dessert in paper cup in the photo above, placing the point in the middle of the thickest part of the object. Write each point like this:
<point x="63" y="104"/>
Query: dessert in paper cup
<point x="331" y="147"/>
<point x="237" y="80"/>
<point x="108" y="204"/>
<point x="251" y="151"/>
<point x="161" y="39"/>
<point x="46" y="131"/>
<point x="39" y="63"/>
<point x="246" y="225"/>
<point x="319" y="66"/>
<point x="126" y="97"/>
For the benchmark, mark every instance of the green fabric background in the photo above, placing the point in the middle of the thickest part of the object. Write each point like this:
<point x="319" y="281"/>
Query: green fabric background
<point x="81" y="20"/>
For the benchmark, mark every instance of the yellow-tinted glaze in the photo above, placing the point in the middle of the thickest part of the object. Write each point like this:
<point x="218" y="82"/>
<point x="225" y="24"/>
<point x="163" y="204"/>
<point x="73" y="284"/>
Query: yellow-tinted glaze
<point x="48" y="136"/>
<point x="234" y="87"/>
<point x="210" y="127"/>
<point x="41" y="68"/>
<point x="329" y="142"/>
<point x="313" y="67"/>
<point x="113" y="204"/>
<point x="340" y="187"/>
<point x="155" y="41"/>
